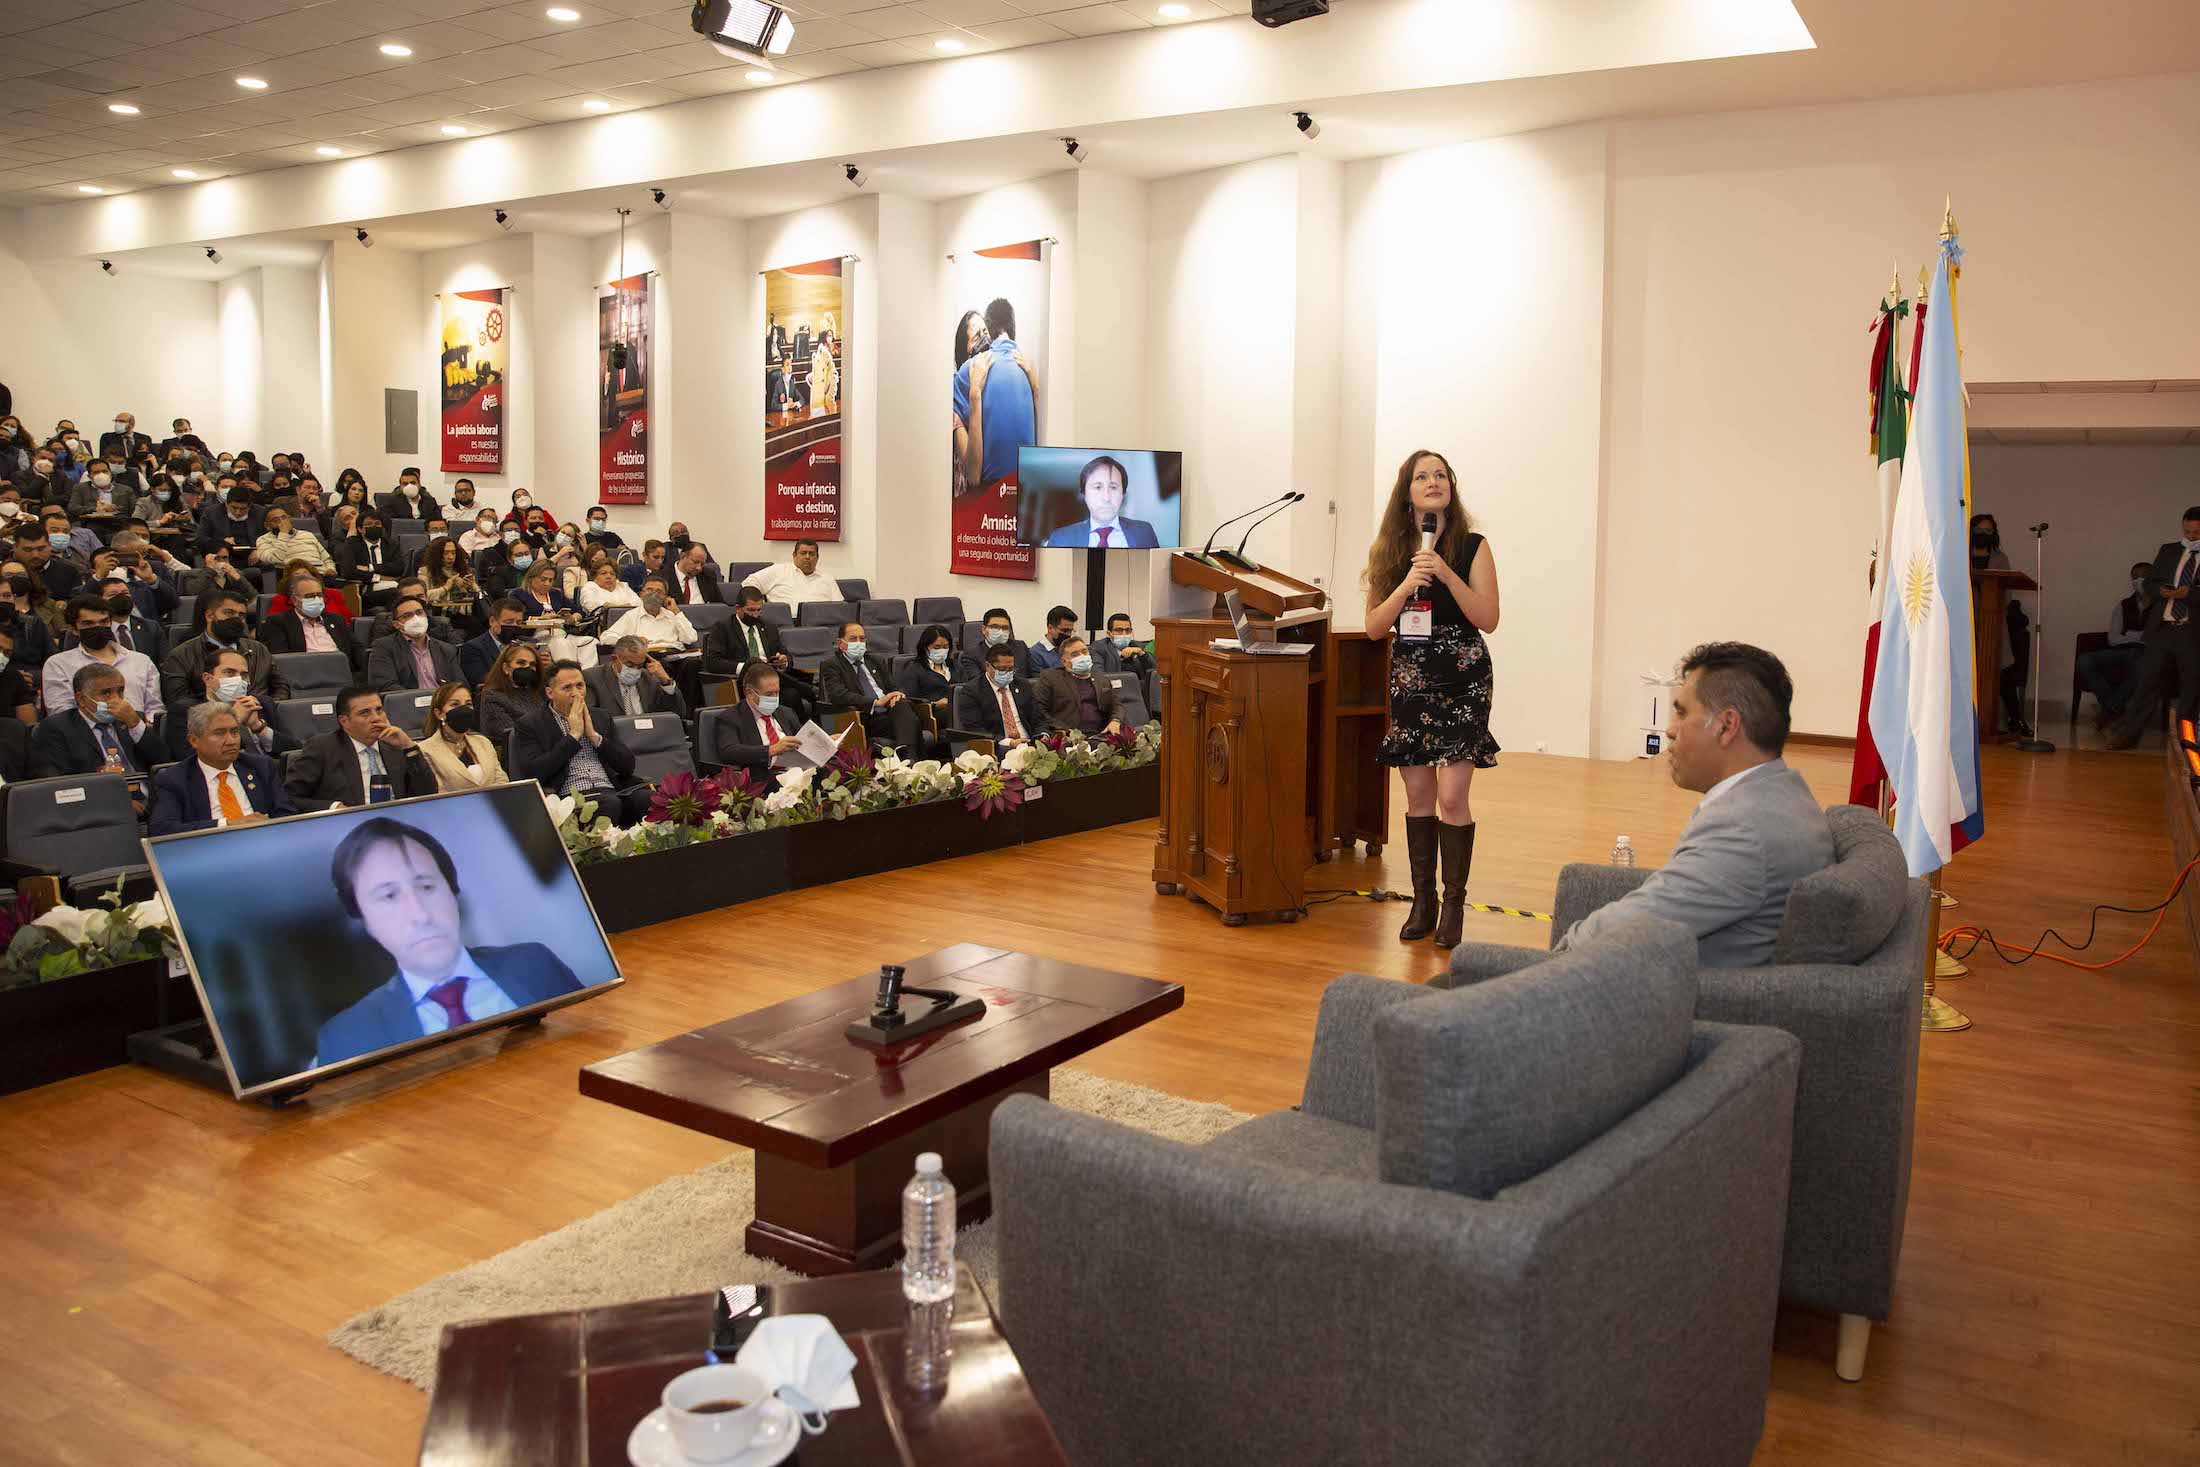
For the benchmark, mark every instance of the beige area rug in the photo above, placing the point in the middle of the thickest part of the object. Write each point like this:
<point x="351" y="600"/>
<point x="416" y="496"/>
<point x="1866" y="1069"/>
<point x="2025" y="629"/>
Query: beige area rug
<point x="683" y="1236"/>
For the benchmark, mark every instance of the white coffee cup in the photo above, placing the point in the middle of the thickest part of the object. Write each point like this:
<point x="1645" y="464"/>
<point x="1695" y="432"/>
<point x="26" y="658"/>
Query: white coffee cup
<point x="717" y="1435"/>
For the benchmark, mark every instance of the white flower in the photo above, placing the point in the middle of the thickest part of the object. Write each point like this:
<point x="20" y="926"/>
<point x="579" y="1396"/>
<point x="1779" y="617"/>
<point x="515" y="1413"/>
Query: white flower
<point x="971" y="761"/>
<point x="621" y="842"/>
<point x="797" y="780"/>
<point x="70" y="924"/>
<point x="560" y="806"/>
<point x="721" y="820"/>
<point x="781" y="800"/>
<point x="153" y="913"/>
<point x="1018" y="759"/>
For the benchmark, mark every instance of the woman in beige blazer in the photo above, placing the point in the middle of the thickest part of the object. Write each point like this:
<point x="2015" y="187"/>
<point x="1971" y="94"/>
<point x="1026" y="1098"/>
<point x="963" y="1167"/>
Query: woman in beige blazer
<point x="461" y="758"/>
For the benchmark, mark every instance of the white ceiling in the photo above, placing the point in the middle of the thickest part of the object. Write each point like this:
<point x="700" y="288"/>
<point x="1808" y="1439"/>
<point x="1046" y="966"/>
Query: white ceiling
<point x="482" y="65"/>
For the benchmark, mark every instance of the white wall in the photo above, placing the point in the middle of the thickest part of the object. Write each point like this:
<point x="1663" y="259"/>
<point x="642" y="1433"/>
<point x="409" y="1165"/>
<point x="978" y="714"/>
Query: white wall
<point x="374" y="300"/>
<point x="2106" y="505"/>
<point x="237" y="302"/>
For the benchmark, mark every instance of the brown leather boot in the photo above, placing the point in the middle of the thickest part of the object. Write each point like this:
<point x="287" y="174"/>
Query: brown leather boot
<point x="1421" y="852"/>
<point x="1456" y="842"/>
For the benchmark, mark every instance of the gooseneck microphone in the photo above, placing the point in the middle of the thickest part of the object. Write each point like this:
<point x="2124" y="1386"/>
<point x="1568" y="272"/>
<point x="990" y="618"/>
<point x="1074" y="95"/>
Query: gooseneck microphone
<point x="1206" y="552"/>
<point x="1238" y="557"/>
<point x="1428" y="529"/>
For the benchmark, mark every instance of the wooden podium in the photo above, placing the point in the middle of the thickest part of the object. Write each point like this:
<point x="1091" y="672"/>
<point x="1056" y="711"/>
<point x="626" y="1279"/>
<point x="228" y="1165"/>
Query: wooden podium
<point x="1989" y="603"/>
<point x="1269" y="761"/>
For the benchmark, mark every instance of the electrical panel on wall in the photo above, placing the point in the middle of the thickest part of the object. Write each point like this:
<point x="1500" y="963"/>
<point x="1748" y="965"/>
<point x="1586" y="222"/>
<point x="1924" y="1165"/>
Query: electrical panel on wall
<point x="400" y="420"/>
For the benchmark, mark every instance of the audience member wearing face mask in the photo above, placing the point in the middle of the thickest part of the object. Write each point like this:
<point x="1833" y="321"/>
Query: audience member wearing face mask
<point x="222" y="618"/>
<point x="999" y="703"/>
<point x="462" y="757"/>
<point x="630" y="683"/>
<point x="857" y="680"/>
<point x="1072" y="696"/>
<point x="659" y="623"/>
<point x="995" y="631"/>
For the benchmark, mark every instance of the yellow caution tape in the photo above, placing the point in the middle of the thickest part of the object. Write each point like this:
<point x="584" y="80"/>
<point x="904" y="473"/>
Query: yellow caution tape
<point x="1508" y="911"/>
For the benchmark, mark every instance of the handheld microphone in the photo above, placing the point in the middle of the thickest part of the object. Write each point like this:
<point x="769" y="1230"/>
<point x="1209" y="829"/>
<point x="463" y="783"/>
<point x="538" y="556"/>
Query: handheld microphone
<point x="1206" y="552"/>
<point x="1428" y="529"/>
<point x="1237" y="557"/>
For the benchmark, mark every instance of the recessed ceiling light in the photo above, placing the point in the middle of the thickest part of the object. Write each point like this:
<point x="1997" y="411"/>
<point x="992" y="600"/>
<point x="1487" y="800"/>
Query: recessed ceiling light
<point x="759" y="78"/>
<point x="947" y="43"/>
<point x="127" y="109"/>
<point x="89" y="188"/>
<point x="252" y="83"/>
<point x="183" y="173"/>
<point x="597" y="104"/>
<point x="560" y="12"/>
<point x="1176" y="12"/>
<point x="328" y="152"/>
<point x="453" y="130"/>
<point x="393" y="49"/>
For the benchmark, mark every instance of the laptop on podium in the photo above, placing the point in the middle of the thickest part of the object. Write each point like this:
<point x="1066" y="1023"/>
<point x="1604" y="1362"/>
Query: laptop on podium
<point x="1259" y="636"/>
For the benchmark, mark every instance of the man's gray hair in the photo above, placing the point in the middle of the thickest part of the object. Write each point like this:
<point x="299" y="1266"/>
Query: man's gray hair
<point x="203" y="716"/>
<point x="129" y="540"/>
<point x="630" y="643"/>
<point x="90" y="675"/>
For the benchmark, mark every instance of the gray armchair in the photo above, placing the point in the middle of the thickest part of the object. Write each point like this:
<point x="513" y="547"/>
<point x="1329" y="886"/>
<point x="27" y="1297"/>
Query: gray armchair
<point x="1535" y="1223"/>
<point x="1848" y="980"/>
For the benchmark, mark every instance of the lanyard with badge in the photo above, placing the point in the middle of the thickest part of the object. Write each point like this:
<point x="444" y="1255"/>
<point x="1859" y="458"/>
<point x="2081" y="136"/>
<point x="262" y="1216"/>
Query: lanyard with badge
<point x="1417" y="618"/>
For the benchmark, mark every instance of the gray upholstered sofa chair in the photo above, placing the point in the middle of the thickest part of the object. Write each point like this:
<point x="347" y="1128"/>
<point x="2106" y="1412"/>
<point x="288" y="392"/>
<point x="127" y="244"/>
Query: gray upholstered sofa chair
<point x="1531" y="1224"/>
<point x="1848" y="980"/>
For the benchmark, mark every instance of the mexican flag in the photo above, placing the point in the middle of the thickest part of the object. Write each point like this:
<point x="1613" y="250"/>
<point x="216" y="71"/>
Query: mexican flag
<point x="1889" y="433"/>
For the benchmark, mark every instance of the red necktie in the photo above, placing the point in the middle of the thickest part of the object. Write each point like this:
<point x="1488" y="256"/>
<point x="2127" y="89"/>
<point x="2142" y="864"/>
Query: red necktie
<point x="1105" y="531"/>
<point x="451" y="993"/>
<point x="1010" y="728"/>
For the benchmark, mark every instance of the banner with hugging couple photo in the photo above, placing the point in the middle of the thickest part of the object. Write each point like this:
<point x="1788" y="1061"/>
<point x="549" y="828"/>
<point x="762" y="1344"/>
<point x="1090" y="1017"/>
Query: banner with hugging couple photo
<point x="999" y="400"/>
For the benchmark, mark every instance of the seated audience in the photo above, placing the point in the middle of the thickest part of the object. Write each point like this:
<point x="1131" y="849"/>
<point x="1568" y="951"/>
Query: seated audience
<point x="511" y="692"/>
<point x="124" y="438"/>
<point x="371" y="559"/>
<point x="54" y="571"/>
<point x="408" y="501"/>
<point x="215" y="571"/>
<point x="281" y="543"/>
<point x="605" y="592"/>
<point x="95" y="645"/>
<point x="310" y="625"/>
<point x="2099" y="669"/>
<point x="539" y="593"/>
<point x="652" y="563"/>
<point x="221" y="784"/>
<point x="35" y="636"/>
<point x="461" y="503"/>
<point x="856" y="680"/>
<point x="1047" y="654"/>
<point x="561" y="744"/>
<point x="928" y="677"/>
<point x="449" y="578"/>
<point x="632" y="684"/>
<point x="656" y="621"/>
<point x="503" y="571"/>
<point x="132" y="632"/>
<point x="506" y="625"/>
<point x="99" y="494"/>
<point x="483" y="536"/>
<point x="78" y="542"/>
<point x="796" y="579"/>
<point x="233" y="526"/>
<point x="95" y="730"/>
<point x="461" y="756"/>
<point x="1000" y="704"/>
<point x="1119" y="651"/>
<point x="1756" y="833"/>
<point x="227" y="681"/>
<point x="600" y="532"/>
<point x="1070" y="697"/>
<point x="18" y="697"/>
<point x="999" y="632"/>
<point x="760" y="733"/>
<point x="365" y="759"/>
<point x="221" y="618"/>
<point x="693" y="582"/>
<point x="528" y="512"/>
<point x="745" y="637"/>
<point x="412" y="660"/>
<point x="152" y="572"/>
<point x="181" y="436"/>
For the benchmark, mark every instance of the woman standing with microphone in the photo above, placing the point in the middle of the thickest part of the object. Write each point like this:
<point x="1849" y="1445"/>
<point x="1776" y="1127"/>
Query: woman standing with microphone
<point x="1432" y="579"/>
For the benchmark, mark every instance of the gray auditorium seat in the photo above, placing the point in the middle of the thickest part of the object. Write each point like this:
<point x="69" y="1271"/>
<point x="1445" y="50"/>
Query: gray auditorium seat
<point x="80" y="828"/>
<point x="314" y="674"/>
<point x="659" y="744"/>
<point x="824" y="613"/>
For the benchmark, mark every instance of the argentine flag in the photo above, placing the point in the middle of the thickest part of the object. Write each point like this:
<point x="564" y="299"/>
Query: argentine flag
<point x="1924" y="715"/>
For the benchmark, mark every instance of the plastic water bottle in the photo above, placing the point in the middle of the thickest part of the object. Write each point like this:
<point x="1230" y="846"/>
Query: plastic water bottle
<point x="928" y="1234"/>
<point x="1623" y="853"/>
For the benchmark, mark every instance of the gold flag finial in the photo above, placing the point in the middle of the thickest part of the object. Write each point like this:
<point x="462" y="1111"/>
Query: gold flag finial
<point x="1948" y="218"/>
<point x="1924" y="283"/>
<point x="1894" y="291"/>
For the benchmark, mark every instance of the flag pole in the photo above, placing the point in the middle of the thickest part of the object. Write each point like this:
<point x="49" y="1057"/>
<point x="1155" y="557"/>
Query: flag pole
<point x="1939" y="1016"/>
<point x="1942" y="1017"/>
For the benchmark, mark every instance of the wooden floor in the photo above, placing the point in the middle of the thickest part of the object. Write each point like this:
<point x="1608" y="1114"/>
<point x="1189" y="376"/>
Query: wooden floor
<point x="171" y="1259"/>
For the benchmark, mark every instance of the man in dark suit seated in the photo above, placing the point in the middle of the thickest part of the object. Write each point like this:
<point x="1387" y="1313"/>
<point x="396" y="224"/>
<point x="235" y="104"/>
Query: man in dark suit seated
<point x="1103" y="484"/>
<point x="632" y="684"/>
<point x="562" y="745"/>
<point x="36" y="552"/>
<point x="125" y="437"/>
<point x="232" y="525"/>
<point x="760" y="731"/>
<point x="100" y="732"/>
<point x="507" y="623"/>
<point x="369" y="556"/>
<point x="222" y="785"/>
<point x="215" y="573"/>
<point x="972" y="667"/>
<point x="402" y="887"/>
<point x="1000" y="704"/>
<point x="1119" y="651"/>
<point x="411" y="660"/>
<point x="691" y="584"/>
<point x="745" y="637"/>
<point x="221" y="618"/>
<point x="855" y="679"/>
<point x="1070" y="697"/>
<point x="308" y="626"/>
<point x="227" y="681"/>
<point x="408" y="501"/>
<point x="366" y="760"/>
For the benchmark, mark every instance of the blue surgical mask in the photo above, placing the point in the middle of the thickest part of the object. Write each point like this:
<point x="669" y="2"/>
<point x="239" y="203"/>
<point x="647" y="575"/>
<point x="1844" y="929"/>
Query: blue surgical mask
<point x="996" y="637"/>
<point x="1003" y="676"/>
<point x="1081" y="663"/>
<point x="1121" y="639"/>
<point x="230" y="689"/>
<point x="312" y="605"/>
<point x="101" y="713"/>
<point x="629" y="676"/>
<point x="857" y="649"/>
<point x="523" y="561"/>
<point x="766" y="704"/>
<point x="58" y="541"/>
<point x="937" y="656"/>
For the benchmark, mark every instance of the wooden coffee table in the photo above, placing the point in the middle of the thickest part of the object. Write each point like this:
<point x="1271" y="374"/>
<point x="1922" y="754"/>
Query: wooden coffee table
<point x="566" y="1390"/>
<point x="837" y="1126"/>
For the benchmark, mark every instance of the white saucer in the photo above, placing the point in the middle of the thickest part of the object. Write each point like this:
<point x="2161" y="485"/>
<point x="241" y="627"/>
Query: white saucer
<point x="652" y="1443"/>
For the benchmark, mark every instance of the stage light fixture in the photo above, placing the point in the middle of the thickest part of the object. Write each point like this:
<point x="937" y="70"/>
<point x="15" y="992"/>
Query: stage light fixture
<point x="759" y="78"/>
<point x="213" y="255"/>
<point x="661" y="199"/>
<point x="949" y="43"/>
<point x="562" y="14"/>
<point x="746" y="30"/>
<point x="126" y="109"/>
<point x="1077" y="151"/>
<point x="366" y="241"/>
<point x="452" y="130"/>
<point x="1174" y="11"/>
<point x="856" y="176"/>
<point x="109" y="267"/>
<point x="1272" y="13"/>
<point x="504" y="221"/>
<point x="1308" y="126"/>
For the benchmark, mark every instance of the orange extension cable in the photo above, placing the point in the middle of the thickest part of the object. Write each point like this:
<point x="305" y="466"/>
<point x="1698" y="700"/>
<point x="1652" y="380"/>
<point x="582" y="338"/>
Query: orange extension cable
<point x="1980" y="934"/>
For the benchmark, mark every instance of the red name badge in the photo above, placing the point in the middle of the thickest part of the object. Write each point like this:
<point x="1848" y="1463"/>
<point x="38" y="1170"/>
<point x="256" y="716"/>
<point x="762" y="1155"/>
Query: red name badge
<point x="1416" y="619"/>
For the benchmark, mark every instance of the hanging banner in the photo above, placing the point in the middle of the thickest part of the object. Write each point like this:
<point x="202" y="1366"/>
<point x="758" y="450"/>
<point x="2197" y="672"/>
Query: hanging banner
<point x="622" y="391"/>
<point x="804" y="354"/>
<point x="1000" y="296"/>
<point x="476" y="347"/>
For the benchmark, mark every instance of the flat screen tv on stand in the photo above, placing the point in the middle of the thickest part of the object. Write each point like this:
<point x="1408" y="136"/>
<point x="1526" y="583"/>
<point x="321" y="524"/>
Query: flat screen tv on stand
<point x="1106" y="499"/>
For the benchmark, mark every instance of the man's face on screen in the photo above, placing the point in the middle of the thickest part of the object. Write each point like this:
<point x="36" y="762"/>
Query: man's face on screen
<point x="409" y="908"/>
<point x="1104" y="495"/>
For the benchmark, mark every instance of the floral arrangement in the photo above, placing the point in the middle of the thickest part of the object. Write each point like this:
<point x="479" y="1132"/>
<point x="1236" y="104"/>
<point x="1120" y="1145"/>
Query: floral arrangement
<point x="65" y="941"/>
<point x="685" y="809"/>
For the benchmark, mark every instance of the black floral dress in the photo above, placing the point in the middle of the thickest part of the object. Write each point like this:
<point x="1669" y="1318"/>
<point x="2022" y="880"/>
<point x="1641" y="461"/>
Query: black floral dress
<point x="1440" y="686"/>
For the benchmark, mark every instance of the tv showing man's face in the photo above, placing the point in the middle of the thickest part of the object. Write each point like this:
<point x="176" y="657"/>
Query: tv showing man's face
<point x="408" y="907"/>
<point x="1104" y="489"/>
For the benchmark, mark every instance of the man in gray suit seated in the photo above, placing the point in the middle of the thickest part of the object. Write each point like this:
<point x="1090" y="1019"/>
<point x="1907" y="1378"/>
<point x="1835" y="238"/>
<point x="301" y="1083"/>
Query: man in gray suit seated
<point x="1758" y="831"/>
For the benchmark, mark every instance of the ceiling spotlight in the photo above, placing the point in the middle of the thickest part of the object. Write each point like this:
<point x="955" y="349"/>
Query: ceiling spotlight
<point x="328" y="152"/>
<point x="1077" y="151"/>
<point x="596" y="104"/>
<point x="746" y="30"/>
<point x="1308" y="125"/>
<point x="366" y="241"/>
<point x="89" y="188"/>
<point x="453" y="130"/>
<point x="1272" y="13"/>
<point x="759" y="78"/>
<point x="1174" y="11"/>
<point x="182" y="173"/>
<point x="126" y="109"/>
<point x="658" y="197"/>
<point x="213" y="254"/>
<point x="949" y="43"/>
<point x="252" y="83"/>
<point x="109" y="267"/>
<point x="562" y="13"/>
<point x="856" y="176"/>
<point x="391" y="48"/>
<point x="504" y="220"/>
